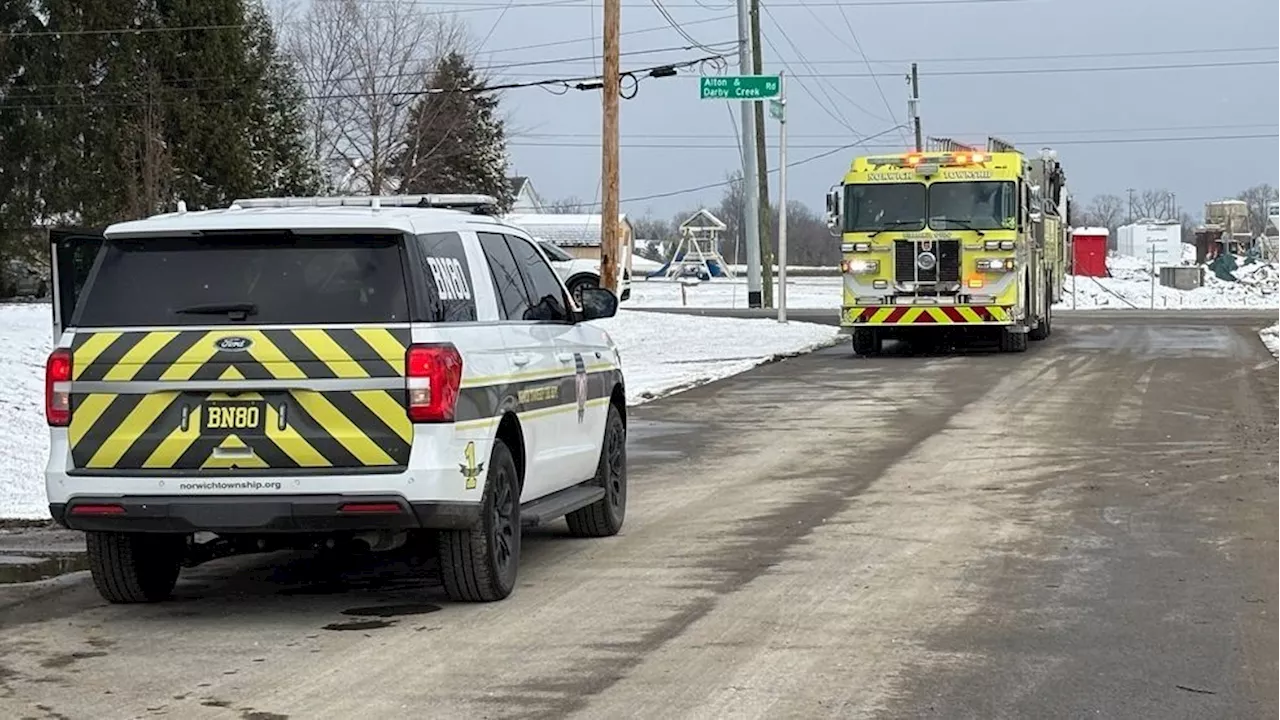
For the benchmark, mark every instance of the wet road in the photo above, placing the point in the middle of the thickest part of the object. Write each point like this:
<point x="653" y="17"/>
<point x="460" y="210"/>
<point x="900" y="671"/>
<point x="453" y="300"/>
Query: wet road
<point x="1086" y="530"/>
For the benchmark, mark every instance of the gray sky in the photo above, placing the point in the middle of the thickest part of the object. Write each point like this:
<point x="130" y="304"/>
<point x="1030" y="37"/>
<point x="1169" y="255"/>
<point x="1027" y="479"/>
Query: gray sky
<point x="671" y="140"/>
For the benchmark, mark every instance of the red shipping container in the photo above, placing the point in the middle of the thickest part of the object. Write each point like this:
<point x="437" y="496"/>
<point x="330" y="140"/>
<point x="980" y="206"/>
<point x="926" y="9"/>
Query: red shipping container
<point x="1089" y="252"/>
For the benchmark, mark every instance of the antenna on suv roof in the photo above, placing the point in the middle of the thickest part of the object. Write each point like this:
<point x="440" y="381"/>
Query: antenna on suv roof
<point x="475" y="203"/>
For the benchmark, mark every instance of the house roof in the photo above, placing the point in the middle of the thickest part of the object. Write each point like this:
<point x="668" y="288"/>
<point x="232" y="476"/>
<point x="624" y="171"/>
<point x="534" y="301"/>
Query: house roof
<point x="517" y="183"/>
<point x="580" y="230"/>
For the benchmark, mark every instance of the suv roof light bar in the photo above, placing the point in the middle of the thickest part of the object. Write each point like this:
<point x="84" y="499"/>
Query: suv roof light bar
<point x="457" y="201"/>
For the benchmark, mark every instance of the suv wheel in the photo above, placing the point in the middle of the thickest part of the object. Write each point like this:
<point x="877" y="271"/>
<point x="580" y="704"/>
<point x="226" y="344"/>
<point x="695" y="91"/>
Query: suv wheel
<point x="604" y="517"/>
<point x="134" y="567"/>
<point x="480" y="564"/>
<point x="578" y="283"/>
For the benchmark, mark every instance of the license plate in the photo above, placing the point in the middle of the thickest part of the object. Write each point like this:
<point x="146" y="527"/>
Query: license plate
<point x="234" y="416"/>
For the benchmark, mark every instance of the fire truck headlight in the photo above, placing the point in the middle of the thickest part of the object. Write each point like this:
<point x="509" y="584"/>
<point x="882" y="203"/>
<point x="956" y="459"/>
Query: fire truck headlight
<point x="991" y="245"/>
<point x="860" y="267"/>
<point x="995" y="264"/>
<point x="1006" y="244"/>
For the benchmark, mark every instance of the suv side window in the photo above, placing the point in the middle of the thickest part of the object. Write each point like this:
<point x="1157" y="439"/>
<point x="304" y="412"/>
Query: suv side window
<point x="547" y="293"/>
<point x="512" y="294"/>
<point x="449" y="295"/>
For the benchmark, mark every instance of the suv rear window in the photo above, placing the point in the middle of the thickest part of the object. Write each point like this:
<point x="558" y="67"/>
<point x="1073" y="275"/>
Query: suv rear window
<point x="253" y="278"/>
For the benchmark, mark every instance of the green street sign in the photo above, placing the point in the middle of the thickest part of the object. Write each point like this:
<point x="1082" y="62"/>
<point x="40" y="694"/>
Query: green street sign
<point x="738" y="87"/>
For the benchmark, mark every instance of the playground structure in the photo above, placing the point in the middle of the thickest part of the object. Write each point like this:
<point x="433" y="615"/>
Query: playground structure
<point x="698" y="252"/>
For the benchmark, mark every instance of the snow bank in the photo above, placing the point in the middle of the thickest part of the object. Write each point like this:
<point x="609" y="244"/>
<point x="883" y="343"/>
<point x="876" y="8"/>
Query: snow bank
<point x="1271" y="338"/>
<point x="26" y="335"/>
<point x="1129" y="287"/>
<point x="661" y="354"/>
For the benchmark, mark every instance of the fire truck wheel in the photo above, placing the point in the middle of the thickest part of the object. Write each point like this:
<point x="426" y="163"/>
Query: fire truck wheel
<point x="1015" y="342"/>
<point x="866" y="342"/>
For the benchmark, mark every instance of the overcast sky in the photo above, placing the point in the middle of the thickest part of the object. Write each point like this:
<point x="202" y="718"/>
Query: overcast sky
<point x="1014" y="68"/>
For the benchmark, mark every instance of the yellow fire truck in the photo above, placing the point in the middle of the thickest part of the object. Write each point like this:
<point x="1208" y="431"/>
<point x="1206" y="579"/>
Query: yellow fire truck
<point x="951" y="241"/>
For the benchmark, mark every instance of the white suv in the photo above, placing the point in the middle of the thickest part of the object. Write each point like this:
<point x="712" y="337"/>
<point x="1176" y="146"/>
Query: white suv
<point x="294" y="371"/>
<point x="579" y="273"/>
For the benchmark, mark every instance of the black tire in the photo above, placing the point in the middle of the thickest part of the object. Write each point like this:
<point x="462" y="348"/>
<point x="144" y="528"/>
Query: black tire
<point x="134" y="567"/>
<point x="605" y="516"/>
<point x="578" y="283"/>
<point x="865" y="341"/>
<point x="481" y="564"/>
<point x="1014" y="342"/>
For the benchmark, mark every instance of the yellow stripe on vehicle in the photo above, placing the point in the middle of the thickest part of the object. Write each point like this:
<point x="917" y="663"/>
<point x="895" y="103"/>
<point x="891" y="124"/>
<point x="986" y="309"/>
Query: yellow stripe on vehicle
<point x="131" y="429"/>
<point x="389" y="411"/>
<point x="90" y="350"/>
<point x="292" y="443"/>
<point x="139" y="354"/>
<point x="170" y="449"/>
<point x="87" y="414"/>
<point x="192" y="360"/>
<point x="342" y="429"/>
<point x="386" y="345"/>
<point x="270" y="356"/>
<point x="329" y="352"/>
<point x="970" y="315"/>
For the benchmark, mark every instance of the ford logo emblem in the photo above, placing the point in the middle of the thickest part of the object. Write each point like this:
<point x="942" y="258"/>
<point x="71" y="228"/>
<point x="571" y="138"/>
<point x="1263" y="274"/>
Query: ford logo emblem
<point x="233" y="343"/>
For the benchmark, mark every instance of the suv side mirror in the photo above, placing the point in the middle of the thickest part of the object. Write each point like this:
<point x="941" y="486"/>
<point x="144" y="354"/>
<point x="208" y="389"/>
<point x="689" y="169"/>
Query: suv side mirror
<point x="833" y="210"/>
<point x="598" y="303"/>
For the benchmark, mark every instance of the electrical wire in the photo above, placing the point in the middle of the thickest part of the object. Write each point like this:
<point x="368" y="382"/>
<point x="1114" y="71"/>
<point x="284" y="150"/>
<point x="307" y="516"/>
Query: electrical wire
<point x="1041" y="132"/>
<point x="582" y="82"/>
<point x="799" y="78"/>
<point x="1036" y="142"/>
<point x="853" y="34"/>
<point x="723" y="183"/>
<point x="230" y="83"/>
<point x="680" y="30"/>
<point x="486" y="7"/>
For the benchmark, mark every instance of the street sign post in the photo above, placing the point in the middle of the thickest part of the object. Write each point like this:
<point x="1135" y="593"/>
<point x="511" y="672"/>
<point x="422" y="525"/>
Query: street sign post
<point x="778" y="109"/>
<point x="739" y="87"/>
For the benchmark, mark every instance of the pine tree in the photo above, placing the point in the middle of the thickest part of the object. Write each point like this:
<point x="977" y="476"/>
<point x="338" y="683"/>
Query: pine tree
<point x="455" y="141"/>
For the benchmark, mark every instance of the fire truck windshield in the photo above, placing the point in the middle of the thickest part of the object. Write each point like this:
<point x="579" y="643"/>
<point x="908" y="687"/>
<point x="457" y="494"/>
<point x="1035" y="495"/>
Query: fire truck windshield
<point x="972" y="205"/>
<point x="883" y="206"/>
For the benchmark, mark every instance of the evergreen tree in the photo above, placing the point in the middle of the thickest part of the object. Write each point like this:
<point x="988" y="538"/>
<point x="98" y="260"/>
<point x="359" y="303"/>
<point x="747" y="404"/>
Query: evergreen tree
<point x="455" y="140"/>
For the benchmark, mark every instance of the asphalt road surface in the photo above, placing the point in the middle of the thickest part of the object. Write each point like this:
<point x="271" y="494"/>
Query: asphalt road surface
<point x="1085" y="530"/>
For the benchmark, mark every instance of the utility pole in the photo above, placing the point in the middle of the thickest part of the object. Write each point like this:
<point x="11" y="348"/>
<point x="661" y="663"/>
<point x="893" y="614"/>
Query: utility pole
<point x="915" y="106"/>
<point x="781" y="108"/>
<point x="762" y="157"/>
<point x="609" y="93"/>
<point x="750" y="166"/>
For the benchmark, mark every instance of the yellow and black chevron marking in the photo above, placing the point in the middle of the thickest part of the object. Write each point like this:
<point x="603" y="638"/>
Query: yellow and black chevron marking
<point x="939" y="315"/>
<point x="296" y="428"/>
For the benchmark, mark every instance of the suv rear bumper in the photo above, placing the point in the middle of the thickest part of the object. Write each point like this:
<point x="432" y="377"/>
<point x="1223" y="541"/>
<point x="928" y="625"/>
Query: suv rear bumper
<point x="259" y="514"/>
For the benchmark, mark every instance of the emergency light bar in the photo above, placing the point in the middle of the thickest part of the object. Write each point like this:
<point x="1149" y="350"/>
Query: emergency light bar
<point x="473" y="202"/>
<point x="949" y="159"/>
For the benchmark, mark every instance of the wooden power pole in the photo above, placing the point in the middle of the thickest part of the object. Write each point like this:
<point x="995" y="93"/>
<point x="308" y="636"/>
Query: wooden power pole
<point x="610" y="89"/>
<point x="762" y="160"/>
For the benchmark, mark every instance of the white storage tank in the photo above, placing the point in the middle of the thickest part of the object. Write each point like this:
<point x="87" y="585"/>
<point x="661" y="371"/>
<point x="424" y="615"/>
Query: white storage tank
<point x="1141" y="240"/>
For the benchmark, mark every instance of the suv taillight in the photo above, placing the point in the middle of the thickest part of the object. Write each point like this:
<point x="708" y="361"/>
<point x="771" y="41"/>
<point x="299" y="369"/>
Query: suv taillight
<point x="433" y="376"/>
<point x="57" y="388"/>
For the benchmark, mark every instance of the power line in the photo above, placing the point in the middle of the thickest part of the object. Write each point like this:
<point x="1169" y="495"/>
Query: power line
<point x="799" y="77"/>
<point x="582" y="82"/>
<point x="1052" y="71"/>
<point x="482" y="7"/>
<point x="838" y="138"/>
<point x="1060" y="56"/>
<point x="811" y="146"/>
<point x="723" y="183"/>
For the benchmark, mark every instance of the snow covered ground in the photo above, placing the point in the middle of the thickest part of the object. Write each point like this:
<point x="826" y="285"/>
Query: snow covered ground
<point x="1271" y="338"/>
<point x="1129" y="287"/>
<point x="661" y="354"/>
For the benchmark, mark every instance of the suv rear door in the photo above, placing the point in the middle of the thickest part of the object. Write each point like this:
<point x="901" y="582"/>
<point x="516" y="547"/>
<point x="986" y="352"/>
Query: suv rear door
<point x="238" y="352"/>
<point x="72" y="252"/>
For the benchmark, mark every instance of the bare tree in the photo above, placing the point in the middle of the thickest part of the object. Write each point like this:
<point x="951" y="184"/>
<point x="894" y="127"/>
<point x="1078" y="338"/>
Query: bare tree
<point x="363" y="64"/>
<point x="571" y="205"/>
<point x="1103" y="211"/>
<point x="1153" y="205"/>
<point x="1256" y="198"/>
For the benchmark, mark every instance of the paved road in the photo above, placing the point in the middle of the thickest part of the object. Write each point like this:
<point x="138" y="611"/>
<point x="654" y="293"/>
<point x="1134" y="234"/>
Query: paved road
<point x="1086" y="530"/>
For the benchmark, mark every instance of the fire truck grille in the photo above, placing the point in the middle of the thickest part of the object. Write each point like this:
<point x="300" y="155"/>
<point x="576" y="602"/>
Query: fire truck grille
<point x="906" y="253"/>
